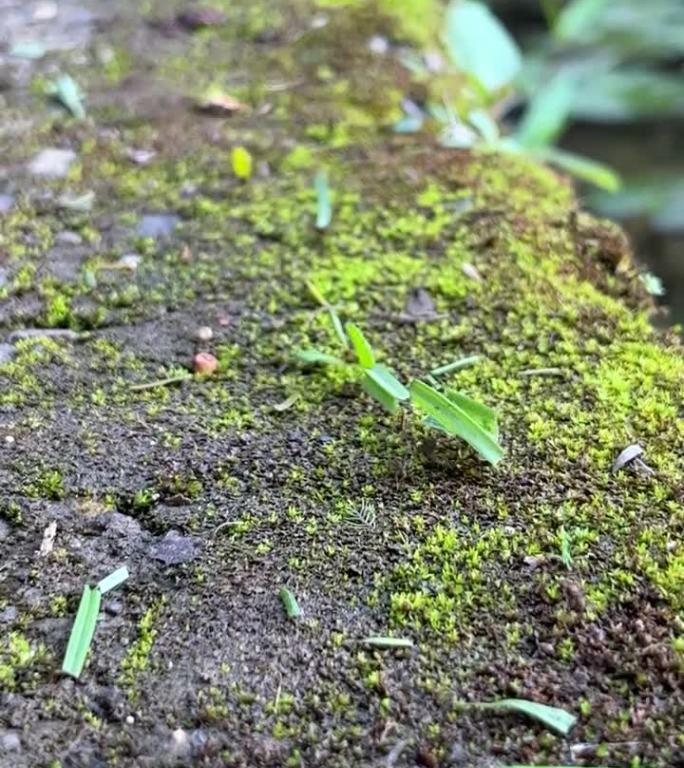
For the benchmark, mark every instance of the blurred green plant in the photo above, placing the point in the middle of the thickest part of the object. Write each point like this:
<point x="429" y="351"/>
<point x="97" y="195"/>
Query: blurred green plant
<point x="487" y="56"/>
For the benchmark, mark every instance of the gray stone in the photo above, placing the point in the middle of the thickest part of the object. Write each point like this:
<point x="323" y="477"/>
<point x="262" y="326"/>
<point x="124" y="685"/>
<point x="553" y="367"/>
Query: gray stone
<point x="6" y="352"/>
<point x="157" y="224"/>
<point x="10" y="741"/>
<point x="52" y="163"/>
<point x="9" y="614"/>
<point x="68" y="238"/>
<point x="6" y="202"/>
<point x="175" y="549"/>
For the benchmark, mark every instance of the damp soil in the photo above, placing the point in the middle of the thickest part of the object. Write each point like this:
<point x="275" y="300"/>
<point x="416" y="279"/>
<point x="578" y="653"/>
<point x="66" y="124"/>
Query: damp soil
<point x="547" y="577"/>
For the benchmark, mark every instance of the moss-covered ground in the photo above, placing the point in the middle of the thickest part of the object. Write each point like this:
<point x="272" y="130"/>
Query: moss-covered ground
<point x="548" y="577"/>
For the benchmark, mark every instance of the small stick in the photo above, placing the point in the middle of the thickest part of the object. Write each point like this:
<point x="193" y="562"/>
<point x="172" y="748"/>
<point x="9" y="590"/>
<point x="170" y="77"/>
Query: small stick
<point x="159" y="383"/>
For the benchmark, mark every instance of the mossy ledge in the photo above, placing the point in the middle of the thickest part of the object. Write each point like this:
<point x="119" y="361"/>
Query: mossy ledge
<point x="549" y="577"/>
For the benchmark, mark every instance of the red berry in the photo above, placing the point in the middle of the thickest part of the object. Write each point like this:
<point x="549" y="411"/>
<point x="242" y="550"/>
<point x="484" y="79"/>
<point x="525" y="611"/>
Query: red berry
<point x="205" y="363"/>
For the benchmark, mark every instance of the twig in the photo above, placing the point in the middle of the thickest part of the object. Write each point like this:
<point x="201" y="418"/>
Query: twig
<point x="159" y="383"/>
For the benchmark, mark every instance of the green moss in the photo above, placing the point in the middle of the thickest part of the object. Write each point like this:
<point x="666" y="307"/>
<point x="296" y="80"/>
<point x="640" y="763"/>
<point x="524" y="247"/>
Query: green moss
<point x="137" y="658"/>
<point x="18" y="657"/>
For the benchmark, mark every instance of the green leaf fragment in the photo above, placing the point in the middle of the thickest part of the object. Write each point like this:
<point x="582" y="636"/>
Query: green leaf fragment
<point x="388" y="402"/>
<point x="364" y="351"/>
<point x="66" y="91"/>
<point x="314" y="357"/>
<point x="388" y="642"/>
<point x="82" y="632"/>
<point x="323" y="201"/>
<point x="480" y="45"/>
<point x="241" y="160"/>
<point x="554" y="718"/>
<point x="115" y="579"/>
<point x="463" y="362"/>
<point x="454" y="420"/>
<point x="386" y="380"/>
<point x="290" y="604"/>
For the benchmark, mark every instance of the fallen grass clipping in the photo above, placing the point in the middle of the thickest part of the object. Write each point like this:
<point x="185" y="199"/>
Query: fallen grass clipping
<point x="290" y="603"/>
<point x="554" y="718"/>
<point x="388" y="642"/>
<point x="86" y="618"/>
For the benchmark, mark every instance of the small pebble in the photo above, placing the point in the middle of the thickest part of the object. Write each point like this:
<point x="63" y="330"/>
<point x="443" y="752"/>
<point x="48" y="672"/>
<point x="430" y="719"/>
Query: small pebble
<point x="204" y="363"/>
<point x="130" y="719"/>
<point x="129" y="261"/>
<point x="204" y="333"/>
<point x="10" y="742"/>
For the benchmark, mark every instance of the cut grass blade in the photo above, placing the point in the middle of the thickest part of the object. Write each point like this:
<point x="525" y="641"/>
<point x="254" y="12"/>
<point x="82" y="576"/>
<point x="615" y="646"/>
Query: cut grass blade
<point x="378" y="641"/>
<point x="323" y="201"/>
<point x="454" y="420"/>
<point x="290" y="603"/>
<point x="82" y="632"/>
<point x="86" y="619"/>
<point x="364" y="351"/>
<point x="554" y="718"/>
<point x="463" y="362"/>
<point x="386" y="380"/>
<point x="114" y="579"/>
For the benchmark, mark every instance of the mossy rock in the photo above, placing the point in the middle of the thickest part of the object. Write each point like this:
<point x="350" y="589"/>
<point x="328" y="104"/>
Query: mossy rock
<point x="548" y="577"/>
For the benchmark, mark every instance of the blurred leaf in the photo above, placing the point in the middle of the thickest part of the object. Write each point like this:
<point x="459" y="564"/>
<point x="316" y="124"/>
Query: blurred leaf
<point x="387" y="381"/>
<point x="658" y="198"/>
<point x="581" y="167"/>
<point x="480" y="46"/>
<point x="455" y="421"/>
<point x="323" y="202"/>
<point x="652" y="283"/>
<point x="484" y="124"/>
<point x="547" y="112"/>
<point x="627" y="93"/>
<point x="363" y="350"/>
<point x="626" y="28"/>
<point x="408" y="124"/>
<point x="577" y="17"/>
<point x="456" y="135"/>
<point x="241" y="160"/>
<point x="386" y="400"/>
